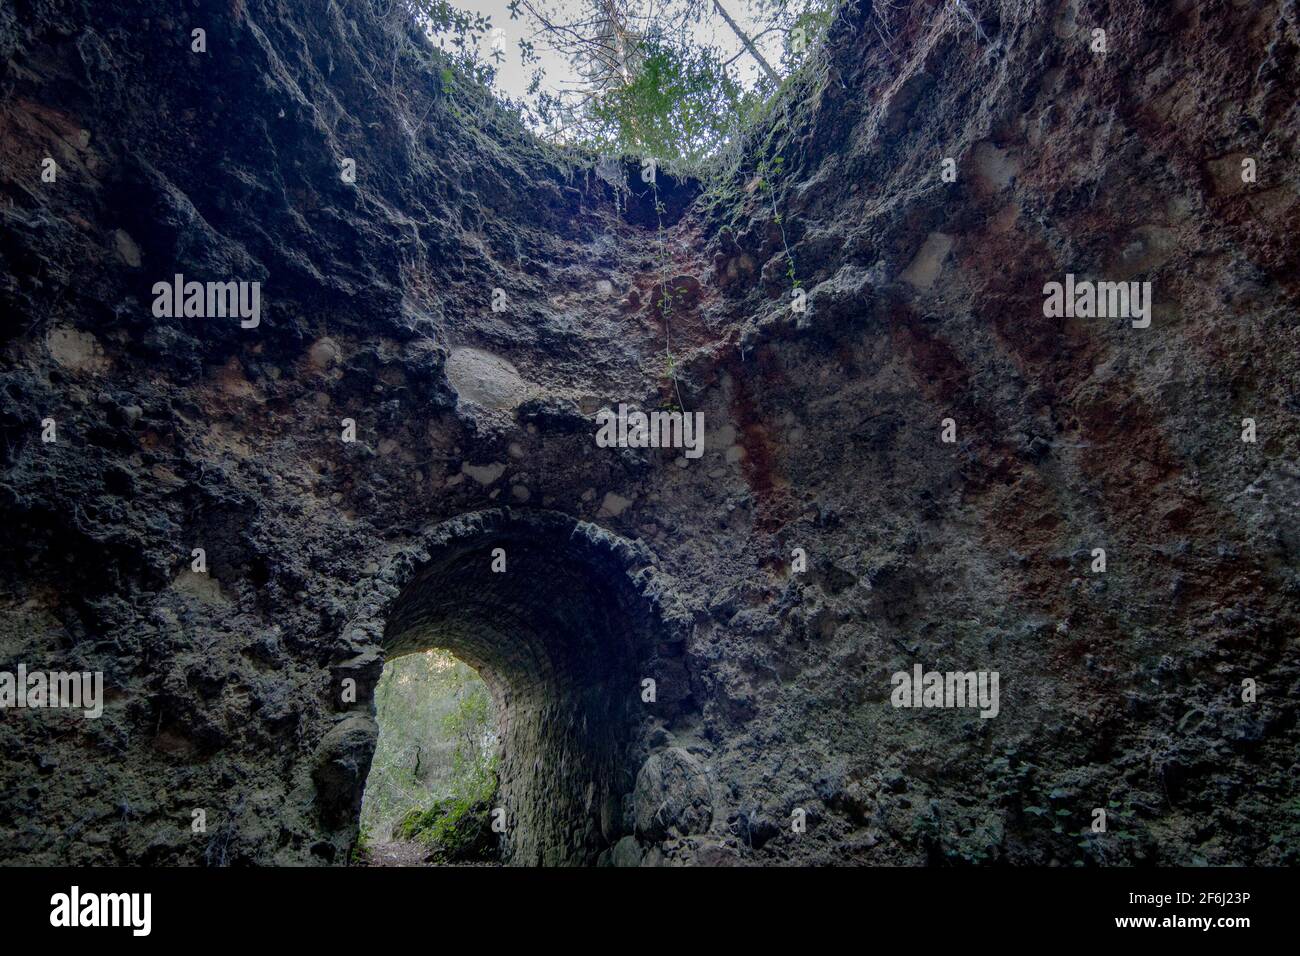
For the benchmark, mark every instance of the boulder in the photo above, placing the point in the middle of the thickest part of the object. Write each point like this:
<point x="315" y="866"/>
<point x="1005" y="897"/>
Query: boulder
<point x="672" y="795"/>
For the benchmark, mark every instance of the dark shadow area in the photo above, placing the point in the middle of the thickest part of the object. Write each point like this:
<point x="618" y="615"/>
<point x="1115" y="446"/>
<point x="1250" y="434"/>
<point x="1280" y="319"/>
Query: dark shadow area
<point x="675" y="193"/>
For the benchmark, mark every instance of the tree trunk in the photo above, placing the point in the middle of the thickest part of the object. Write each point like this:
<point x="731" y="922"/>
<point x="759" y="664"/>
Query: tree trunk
<point x="749" y="44"/>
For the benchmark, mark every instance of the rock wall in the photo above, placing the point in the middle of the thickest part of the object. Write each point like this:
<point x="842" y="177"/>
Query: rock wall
<point x="244" y="691"/>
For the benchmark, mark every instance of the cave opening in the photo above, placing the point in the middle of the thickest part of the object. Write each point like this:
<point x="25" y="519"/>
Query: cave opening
<point x="433" y="778"/>
<point x="546" y="611"/>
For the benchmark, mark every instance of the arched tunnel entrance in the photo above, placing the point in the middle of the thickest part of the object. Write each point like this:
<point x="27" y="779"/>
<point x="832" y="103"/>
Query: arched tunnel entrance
<point x="550" y="612"/>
